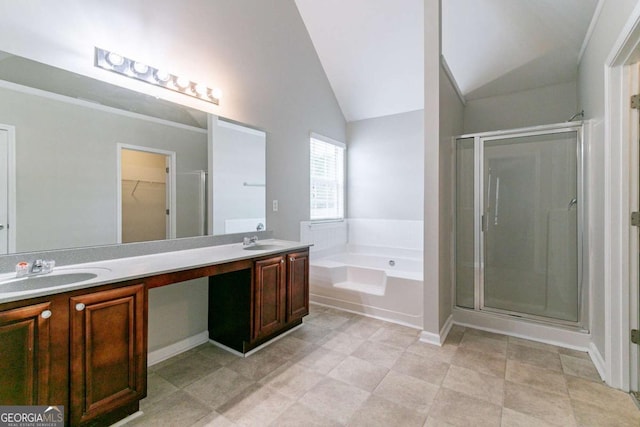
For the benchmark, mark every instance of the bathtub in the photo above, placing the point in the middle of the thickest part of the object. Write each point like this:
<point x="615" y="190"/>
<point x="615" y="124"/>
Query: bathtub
<point x="377" y="282"/>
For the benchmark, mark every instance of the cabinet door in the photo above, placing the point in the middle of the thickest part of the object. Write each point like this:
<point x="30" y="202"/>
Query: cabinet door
<point x="108" y="351"/>
<point x="25" y="355"/>
<point x="269" y="297"/>
<point x="297" y="285"/>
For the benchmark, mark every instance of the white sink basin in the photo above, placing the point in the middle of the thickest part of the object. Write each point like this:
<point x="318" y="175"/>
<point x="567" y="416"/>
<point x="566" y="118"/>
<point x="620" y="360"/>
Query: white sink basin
<point x="60" y="277"/>
<point x="263" y="247"/>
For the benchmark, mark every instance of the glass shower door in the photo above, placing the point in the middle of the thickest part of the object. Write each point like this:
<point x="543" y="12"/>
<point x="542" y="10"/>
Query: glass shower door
<point x="530" y="225"/>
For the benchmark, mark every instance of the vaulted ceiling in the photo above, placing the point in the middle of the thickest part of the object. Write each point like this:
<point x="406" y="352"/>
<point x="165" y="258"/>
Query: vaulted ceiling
<point x="372" y="50"/>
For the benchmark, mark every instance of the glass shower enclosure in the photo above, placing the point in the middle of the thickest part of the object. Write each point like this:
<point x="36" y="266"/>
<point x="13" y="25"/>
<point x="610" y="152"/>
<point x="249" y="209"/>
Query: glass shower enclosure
<point x="518" y="223"/>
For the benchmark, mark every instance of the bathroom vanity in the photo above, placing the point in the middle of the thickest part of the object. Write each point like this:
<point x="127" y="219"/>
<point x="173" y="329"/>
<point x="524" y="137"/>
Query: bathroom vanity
<point x="84" y="345"/>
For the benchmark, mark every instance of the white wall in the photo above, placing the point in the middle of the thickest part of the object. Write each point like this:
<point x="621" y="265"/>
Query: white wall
<point x="591" y="98"/>
<point x="257" y="51"/>
<point x="540" y="106"/>
<point x="385" y="167"/>
<point x="451" y="123"/>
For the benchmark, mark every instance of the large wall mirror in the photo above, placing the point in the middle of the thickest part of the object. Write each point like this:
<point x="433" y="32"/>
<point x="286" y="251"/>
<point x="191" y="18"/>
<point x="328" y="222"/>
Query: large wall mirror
<point x="86" y="163"/>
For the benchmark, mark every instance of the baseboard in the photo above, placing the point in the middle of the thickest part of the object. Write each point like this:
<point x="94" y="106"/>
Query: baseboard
<point x="598" y="361"/>
<point x="169" y="351"/>
<point x="439" y="338"/>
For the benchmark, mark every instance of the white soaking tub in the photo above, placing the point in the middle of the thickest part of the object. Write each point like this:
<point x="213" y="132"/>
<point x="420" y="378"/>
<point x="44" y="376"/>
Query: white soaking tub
<point x="385" y="283"/>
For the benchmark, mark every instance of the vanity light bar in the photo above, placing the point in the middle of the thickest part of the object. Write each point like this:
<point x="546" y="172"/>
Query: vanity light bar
<point x="137" y="70"/>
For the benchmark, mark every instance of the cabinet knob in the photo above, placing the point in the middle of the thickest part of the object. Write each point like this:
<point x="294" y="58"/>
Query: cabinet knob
<point x="46" y="314"/>
<point x="291" y="259"/>
<point x="79" y="306"/>
<point x="281" y="261"/>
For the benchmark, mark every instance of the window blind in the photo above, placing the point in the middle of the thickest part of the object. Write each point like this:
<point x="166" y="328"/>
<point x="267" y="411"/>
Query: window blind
<point x="327" y="180"/>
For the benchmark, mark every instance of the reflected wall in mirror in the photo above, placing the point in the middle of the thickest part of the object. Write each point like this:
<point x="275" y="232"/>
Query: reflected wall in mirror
<point x="62" y="177"/>
<point x="239" y="173"/>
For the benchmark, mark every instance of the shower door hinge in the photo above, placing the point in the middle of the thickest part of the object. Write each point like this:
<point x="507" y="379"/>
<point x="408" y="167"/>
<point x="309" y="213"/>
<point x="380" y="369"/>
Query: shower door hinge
<point x="635" y="219"/>
<point x="635" y="336"/>
<point x="167" y="211"/>
<point x="635" y="102"/>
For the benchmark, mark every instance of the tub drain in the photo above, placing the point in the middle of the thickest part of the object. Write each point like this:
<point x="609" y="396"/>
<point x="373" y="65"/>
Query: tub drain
<point x="392" y="262"/>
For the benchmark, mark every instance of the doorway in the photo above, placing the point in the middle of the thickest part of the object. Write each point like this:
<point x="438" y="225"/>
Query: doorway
<point x="146" y="199"/>
<point x="7" y="190"/>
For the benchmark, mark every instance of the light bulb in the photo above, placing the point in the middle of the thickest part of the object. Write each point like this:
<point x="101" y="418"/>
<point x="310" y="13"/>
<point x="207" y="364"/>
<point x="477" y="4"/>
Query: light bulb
<point x="161" y="76"/>
<point x="200" y="89"/>
<point x="182" y="82"/>
<point x="140" y="68"/>
<point x="114" y="59"/>
<point x="216" y="93"/>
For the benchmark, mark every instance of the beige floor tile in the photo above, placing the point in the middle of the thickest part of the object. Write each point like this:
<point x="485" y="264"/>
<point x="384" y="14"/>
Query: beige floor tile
<point x="334" y="399"/>
<point x="602" y="396"/>
<point x="534" y="356"/>
<point x="310" y="333"/>
<point x="289" y="347"/>
<point x="455" y="335"/>
<point x="322" y="360"/>
<point x="433" y="422"/>
<point x="511" y="418"/>
<point x="256" y="406"/>
<point x="430" y="351"/>
<point x="178" y="409"/>
<point x="185" y="370"/>
<point x="538" y="378"/>
<point x="396" y="335"/>
<point x="362" y="327"/>
<point x="214" y="419"/>
<point x="379" y="412"/>
<point x="574" y="353"/>
<point x="534" y="344"/>
<point x="341" y="342"/>
<point x="328" y="320"/>
<point x="293" y="380"/>
<point x="407" y="391"/>
<point x="473" y="383"/>
<point x="578" y="367"/>
<point x="258" y="365"/>
<point x="486" y="334"/>
<point x="378" y="353"/>
<point x="217" y="388"/>
<point x="549" y="407"/>
<point x="483" y="344"/>
<point x="359" y="373"/>
<point x="430" y="370"/>
<point x="486" y="363"/>
<point x="218" y="355"/>
<point x="589" y="415"/>
<point x="157" y="389"/>
<point x="299" y="415"/>
<point x="461" y="410"/>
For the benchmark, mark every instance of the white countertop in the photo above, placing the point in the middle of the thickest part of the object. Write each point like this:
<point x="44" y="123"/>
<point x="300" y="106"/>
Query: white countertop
<point x="130" y="268"/>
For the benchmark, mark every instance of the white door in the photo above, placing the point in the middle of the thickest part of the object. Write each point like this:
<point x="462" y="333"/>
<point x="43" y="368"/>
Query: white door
<point x="4" y="191"/>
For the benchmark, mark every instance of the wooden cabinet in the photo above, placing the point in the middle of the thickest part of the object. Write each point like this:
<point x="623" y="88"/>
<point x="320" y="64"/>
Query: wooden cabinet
<point x="108" y="352"/>
<point x="269" y="296"/>
<point x="244" y="314"/>
<point x="297" y="285"/>
<point x="25" y="348"/>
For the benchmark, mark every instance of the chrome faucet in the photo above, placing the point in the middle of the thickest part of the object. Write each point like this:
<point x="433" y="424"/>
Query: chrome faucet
<point x="260" y="227"/>
<point x="39" y="266"/>
<point x="249" y="241"/>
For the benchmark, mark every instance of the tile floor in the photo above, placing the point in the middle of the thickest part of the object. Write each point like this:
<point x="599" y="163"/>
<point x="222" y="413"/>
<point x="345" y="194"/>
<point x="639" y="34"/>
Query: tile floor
<point x="344" y="369"/>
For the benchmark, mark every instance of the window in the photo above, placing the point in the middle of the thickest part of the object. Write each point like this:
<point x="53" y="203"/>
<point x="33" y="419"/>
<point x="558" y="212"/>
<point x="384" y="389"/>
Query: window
<point x="327" y="178"/>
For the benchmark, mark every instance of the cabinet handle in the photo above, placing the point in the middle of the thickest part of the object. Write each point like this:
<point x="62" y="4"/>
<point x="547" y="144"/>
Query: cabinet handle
<point x="79" y="306"/>
<point x="46" y="314"/>
<point x="291" y="259"/>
